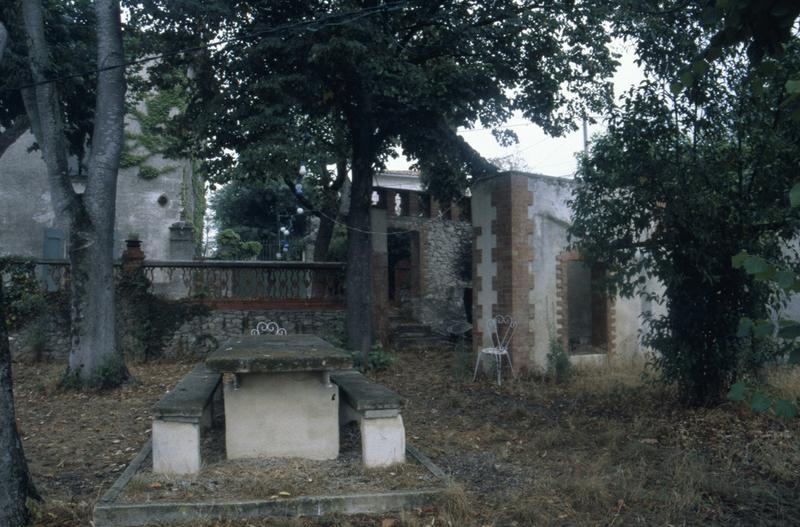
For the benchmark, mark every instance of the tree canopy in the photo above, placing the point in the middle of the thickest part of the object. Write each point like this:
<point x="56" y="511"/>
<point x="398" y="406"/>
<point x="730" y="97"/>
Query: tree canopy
<point x="678" y="185"/>
<point x="380" y="74"/>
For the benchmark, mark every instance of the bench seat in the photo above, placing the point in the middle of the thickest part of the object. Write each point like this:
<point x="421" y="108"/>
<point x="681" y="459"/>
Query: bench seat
<point x="179" y="419"/>
<point x="377" y="410"/>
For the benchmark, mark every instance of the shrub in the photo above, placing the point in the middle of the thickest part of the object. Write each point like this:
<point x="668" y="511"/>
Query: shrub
<point x="379" y="359"/>
<point x="559" y="367"/>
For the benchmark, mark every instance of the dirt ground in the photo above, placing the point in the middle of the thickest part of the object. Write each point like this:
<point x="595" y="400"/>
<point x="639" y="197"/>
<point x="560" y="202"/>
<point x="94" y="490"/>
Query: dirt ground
<point x="603" y="449"/>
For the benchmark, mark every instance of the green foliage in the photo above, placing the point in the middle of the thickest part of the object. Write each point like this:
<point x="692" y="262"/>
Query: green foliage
<point x="379" y="359"/>
<point x="23" y="293"/>
<point x="71" y="35"/>
<point x="760" y="400"/>
<point x="231" y="247"/>
<point x="149" y="318"/>
<point x="148" y="172"/>
<point x="411" y="74"/>
<point x="160" y="132"/>
<point x="35" y="338"/>
<point x="559" y="367"/>
<point x="253" y="211"/>
<point x="674" y="191"/>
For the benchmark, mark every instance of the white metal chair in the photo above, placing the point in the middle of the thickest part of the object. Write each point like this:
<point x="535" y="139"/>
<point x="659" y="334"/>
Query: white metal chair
<point x="501" y="328"/>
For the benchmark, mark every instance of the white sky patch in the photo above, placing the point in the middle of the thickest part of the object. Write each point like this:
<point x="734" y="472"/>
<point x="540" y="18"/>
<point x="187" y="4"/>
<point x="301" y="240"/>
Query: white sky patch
<point x="536" y="151"/>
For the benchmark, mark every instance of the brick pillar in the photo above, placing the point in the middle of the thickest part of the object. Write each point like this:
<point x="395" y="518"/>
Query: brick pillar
<point x="513" y="256"/>
<point x="132" y="256"/>
<point x="380" y="276"/>
<point x="434" y="207"/>
<point x="413" y="203"/>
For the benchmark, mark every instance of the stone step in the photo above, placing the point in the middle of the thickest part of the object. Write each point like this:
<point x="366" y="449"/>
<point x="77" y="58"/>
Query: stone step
<point x="419" y="342"/>
<point x="411" y="329"/>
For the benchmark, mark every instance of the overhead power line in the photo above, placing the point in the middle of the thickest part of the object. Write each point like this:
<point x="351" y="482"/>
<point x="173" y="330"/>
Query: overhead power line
<point x="335" y="19"/>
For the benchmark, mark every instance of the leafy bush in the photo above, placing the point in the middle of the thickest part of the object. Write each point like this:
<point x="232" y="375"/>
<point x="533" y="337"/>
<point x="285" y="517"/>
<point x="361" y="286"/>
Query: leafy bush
<point x="759" y="399"/>
<point x="559" y="367"/>
<point x="379" y="359"/>
<point x="23" y="295"/>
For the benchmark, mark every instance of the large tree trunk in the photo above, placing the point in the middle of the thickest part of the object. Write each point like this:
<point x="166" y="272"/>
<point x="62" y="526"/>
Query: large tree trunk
<point x="94" y="357"/>
<point x="16" y="486"/>
<point x="92" y="234"/>
<point x="358" y="281"/>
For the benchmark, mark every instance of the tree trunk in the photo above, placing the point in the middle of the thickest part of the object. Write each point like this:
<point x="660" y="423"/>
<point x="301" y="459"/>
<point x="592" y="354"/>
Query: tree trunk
<point x="94" y="358"/>
<point x="358" y="281"/>
<point x="3" y="40"/>
<point x="94" y="350"/>
<point x="16" y="486"/>
<point x="324" y="235"/>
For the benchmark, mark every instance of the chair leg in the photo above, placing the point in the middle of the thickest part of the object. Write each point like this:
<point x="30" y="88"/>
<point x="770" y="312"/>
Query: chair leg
<point x="510" y="366"/>
<point x="477" y="363"/>
<point x="499" y="370"/>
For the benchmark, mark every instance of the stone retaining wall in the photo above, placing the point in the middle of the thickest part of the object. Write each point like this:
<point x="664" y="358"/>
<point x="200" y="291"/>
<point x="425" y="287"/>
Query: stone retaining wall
<point x="47" y="337"/>
<point x="203" y="333"/>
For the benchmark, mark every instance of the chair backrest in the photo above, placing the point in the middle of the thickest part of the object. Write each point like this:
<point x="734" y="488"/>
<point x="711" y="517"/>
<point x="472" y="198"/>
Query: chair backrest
<point x="502" y="329"/>
<point x="269" y="328"/>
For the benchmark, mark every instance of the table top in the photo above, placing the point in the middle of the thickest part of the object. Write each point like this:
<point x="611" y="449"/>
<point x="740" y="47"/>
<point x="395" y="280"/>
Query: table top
<point x="277" y="354"/>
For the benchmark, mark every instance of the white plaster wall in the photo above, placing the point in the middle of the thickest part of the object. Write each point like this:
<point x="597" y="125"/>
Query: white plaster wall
<point x="483" y="214"/>
<point x="551" y="216"/>
<point x="25" y="208"/>
<point x="138" y="209"/>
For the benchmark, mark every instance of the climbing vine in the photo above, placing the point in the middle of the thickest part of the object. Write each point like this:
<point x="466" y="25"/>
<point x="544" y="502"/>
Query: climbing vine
<point x="157" y="135"/>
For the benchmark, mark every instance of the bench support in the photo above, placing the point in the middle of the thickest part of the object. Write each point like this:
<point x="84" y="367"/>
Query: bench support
<point x="176" y="447"/>
<point x="383" y="441"/>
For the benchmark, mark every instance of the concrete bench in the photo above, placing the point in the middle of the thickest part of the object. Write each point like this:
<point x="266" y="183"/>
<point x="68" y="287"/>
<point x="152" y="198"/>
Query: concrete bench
<point x="179" y="418"/>
<point x="377" y="410"/>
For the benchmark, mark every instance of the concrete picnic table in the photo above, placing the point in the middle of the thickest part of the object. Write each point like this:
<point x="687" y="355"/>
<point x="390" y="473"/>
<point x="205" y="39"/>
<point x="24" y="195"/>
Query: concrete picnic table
<point x="280" y="401"/>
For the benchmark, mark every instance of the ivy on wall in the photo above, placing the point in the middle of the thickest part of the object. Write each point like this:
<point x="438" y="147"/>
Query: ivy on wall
<point x="155" y="136"/>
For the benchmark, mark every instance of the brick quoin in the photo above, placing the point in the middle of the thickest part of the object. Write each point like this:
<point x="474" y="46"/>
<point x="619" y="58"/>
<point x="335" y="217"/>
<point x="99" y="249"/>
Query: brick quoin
<point x="477" y="287"/>
<point x="513" y="255"/>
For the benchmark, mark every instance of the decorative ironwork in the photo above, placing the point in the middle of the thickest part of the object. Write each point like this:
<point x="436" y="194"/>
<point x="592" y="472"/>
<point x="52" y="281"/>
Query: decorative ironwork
<point x="232" y="284"/>
<point x="268" y="328"/>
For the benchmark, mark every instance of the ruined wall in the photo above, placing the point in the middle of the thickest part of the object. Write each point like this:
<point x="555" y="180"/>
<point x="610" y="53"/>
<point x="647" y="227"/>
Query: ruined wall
<point x="444" y="252"/>
<point x="520" y="228"/>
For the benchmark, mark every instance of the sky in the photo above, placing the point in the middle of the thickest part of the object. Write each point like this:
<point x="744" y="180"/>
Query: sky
<point x="536" y="151"/>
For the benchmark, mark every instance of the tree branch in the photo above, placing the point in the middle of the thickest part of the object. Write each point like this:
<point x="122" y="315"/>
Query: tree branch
<point x="46" y="118"/>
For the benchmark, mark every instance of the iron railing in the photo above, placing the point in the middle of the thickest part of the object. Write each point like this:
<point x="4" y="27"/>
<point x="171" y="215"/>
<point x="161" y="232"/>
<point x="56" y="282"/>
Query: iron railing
<point x="227" y="284"/>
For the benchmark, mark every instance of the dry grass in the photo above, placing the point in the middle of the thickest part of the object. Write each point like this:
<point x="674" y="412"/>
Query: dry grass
<point x="606" y="448"/>
<point x="785" y="379"/>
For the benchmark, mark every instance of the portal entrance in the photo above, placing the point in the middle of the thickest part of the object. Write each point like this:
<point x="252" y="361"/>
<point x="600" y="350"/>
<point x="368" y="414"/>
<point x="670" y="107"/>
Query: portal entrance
<point x="586" y="308"/>
<point x="403" y="256"/>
